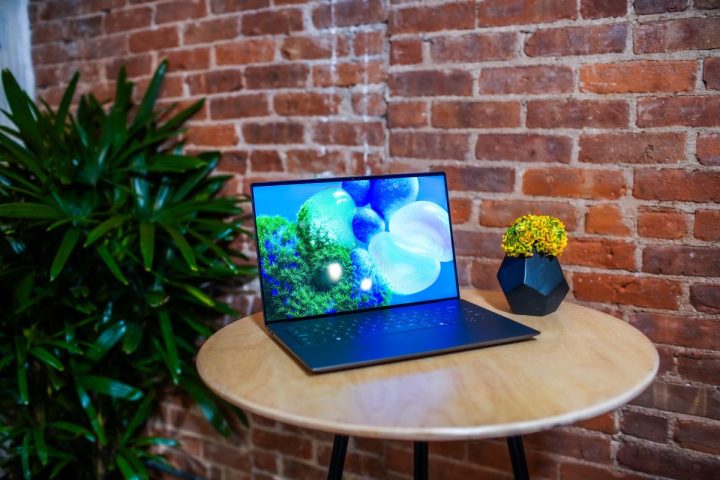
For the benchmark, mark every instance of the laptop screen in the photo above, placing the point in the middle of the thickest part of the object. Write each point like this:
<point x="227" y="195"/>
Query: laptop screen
<point x="338" y="245"/>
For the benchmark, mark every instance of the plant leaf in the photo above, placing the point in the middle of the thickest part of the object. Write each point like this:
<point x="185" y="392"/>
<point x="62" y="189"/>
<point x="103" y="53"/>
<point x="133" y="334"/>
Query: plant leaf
<point x="110" y="387"/>
<point x="170" y="345"/>
<point x="207" y="405"/>
<point x="112" y="264"/>
<point x="91" y="413"/>
<point x="174" y="163"/>
<point x="183" y="246"/>
<point x="147" y="243"/>
<point x="73" y="428"/>
<point x="132" y="338"/>
<point x="47" y="358"/>
<point x="25" y="457"/>
<point x="106" y="341"/>
<point x="21" y="358"/>
<point x="66" y="247"/>
<point x="151" y="94"/>
<point x="38" y="211"/>
<point x="141" y="415"/>
<point x="40" y="446"/>
<point x="104" y="227"/>
<point x="64" y="106"/>
<point x="125" y="468"/>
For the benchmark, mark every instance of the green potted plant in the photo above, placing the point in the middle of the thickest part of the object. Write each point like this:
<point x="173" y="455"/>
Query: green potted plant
<point x="113" y="243"/>
<point x="530" y="274"/>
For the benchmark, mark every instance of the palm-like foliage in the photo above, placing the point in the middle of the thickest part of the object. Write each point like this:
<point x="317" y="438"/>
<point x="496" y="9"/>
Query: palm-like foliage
<point x="110" y="243"/>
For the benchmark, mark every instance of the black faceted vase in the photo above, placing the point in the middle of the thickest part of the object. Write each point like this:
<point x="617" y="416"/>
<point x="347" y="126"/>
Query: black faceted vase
<point x="532" y="285"/>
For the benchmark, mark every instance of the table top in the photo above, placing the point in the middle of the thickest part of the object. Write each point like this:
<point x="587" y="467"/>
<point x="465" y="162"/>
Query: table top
<point x="583" y="364"/>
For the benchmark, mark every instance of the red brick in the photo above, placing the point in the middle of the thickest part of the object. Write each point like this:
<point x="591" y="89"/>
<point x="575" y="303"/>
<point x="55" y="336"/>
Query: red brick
<point x="501" y="213"/>
<point x="699" y="367"/>
<point x="240" y="106"/>
<point x="706" y="4"/>
<point x="227" y="455"/>
<point x="195" y="59"/>
<point x="213" y="135"/>
<point x="479" y="179"/>
<point x="290" y="445"/>
<point x="584" y="445"/>
<point x="102" y="47"/>
<point x="606" y="423"/>
<point x="349" y="74"/>
<point x="586" y="40"/>
<point x="663" y="461"/>
<point x="518" y="12"/>
<point x="227" y="6"/>
<point x="678" y="330"/>
<point x="460" y="210"/>
<point x="708" y="149"/>
<point x="273" y="132"/>
<point x="705" y="298"/>
<point x="638" y="77"/>
<point x="300" y="470"/>
<point x="470" y="243"/>
<point x="688" y="399"/>
<point x="52" y="53"/>
<point x="711" y="73"/>
<point x="210" y="30"/>
<point x="276" y="76"/>
<point x="494" y="455"/>
<point x="475" y="114"/>
<point x="405" y="51"/>
<point x="176" y="10"/>
<point x="407" y="114"/>
<point x="135" y="66"/>
<point x="700" y="436"/>
<point x="605" y="219"/>
<point x="632" y="148"/>
<point x="265" y="161"/>
<point x="526" y="79"/>
<point x="349" y="12"/>
<point x="571" y="182"/>
<point x="473" y="47"/>
<point x="674" y="35"/>
<point x="313" y="48"/>
<point x="245" y="51"/>
<point x="682" y="185"/>
<point x="682" y="260"/>
<point x="689" y="111"/>
<point x="430" y="145"/>
<point x="315" y="161"/>
<point x="431" y="83"/>
<point x="215" y="81"/>
<point x="577" y="114"/>
<point x="369" y="43"/>
<point x="130" y="19"/>
<point x="642" y="425"/>
<point x="347" y="133"/>
<point x="289" y="104"/>
<point x="588" y="471"/>
<point x="372" y="104"/>
<point x="661" y="223"/>
<point x="626" y="290"/>
<point x="483" y="275"/>
<point x="234" y="161"/>
<point x="83" y="28"/>
<point x="612" y="254"/>
<point x="50" y="32"/>
<point x="603" y="8"/>
<point x="707" y="225"/>
<point x="147" y="40"/>
<point x="645" y="7"/>
<point x="277" y="22"/>
<point x="450" y="16"/>
<point x="522" y="147"/>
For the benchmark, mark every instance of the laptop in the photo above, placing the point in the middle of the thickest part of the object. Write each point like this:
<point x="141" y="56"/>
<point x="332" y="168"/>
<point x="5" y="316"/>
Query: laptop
<point x="361" y="270"/>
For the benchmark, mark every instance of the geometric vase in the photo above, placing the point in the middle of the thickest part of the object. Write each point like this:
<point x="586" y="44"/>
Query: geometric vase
<point x="532" y="285"/>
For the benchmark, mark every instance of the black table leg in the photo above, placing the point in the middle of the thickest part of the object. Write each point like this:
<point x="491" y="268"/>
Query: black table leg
<point x="517" y="457"/>
<point x="421" y="461"/>
<point x="337" y="460"/>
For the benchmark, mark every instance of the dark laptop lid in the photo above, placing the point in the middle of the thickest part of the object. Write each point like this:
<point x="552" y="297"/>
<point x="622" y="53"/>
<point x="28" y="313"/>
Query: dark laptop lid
<point x="329" y="246"/>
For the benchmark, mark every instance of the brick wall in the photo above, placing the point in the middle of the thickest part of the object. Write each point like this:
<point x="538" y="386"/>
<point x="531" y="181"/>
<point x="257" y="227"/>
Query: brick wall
<point x="603" y="113"/>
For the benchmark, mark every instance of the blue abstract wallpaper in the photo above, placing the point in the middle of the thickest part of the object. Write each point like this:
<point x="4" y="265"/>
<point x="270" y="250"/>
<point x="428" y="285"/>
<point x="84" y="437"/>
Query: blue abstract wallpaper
<point x="329" y="247"/>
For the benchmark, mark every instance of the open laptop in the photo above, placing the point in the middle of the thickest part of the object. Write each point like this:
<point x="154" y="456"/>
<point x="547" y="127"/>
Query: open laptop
<point x="361" y="270"/>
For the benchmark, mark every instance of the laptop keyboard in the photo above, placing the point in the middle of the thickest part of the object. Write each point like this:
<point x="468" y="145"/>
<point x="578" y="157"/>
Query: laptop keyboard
<point x="366" y="324"/>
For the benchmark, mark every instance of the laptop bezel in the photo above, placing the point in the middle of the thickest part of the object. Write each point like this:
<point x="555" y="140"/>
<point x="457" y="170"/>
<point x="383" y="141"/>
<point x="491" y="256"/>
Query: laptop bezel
<point x="342" y="179"/>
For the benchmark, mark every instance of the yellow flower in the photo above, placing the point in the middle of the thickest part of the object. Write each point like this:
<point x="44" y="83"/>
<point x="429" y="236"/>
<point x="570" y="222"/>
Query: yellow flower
<point x="535" y="233"/>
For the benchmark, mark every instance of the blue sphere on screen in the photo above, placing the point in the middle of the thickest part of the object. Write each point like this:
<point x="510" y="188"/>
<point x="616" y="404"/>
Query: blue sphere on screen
<point x="389" y="194"/>
<point x="359" y="190"/>
<point x="367" y="223"/>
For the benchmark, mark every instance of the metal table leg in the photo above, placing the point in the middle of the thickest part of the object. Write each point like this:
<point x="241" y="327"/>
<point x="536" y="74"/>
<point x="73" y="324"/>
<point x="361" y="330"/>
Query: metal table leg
<point x="337" y="460"/>
<point x="517" y="457"/>
<point x="421" y="461"/>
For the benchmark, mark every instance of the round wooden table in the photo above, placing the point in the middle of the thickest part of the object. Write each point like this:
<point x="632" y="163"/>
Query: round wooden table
<point x="583" y="364"/>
